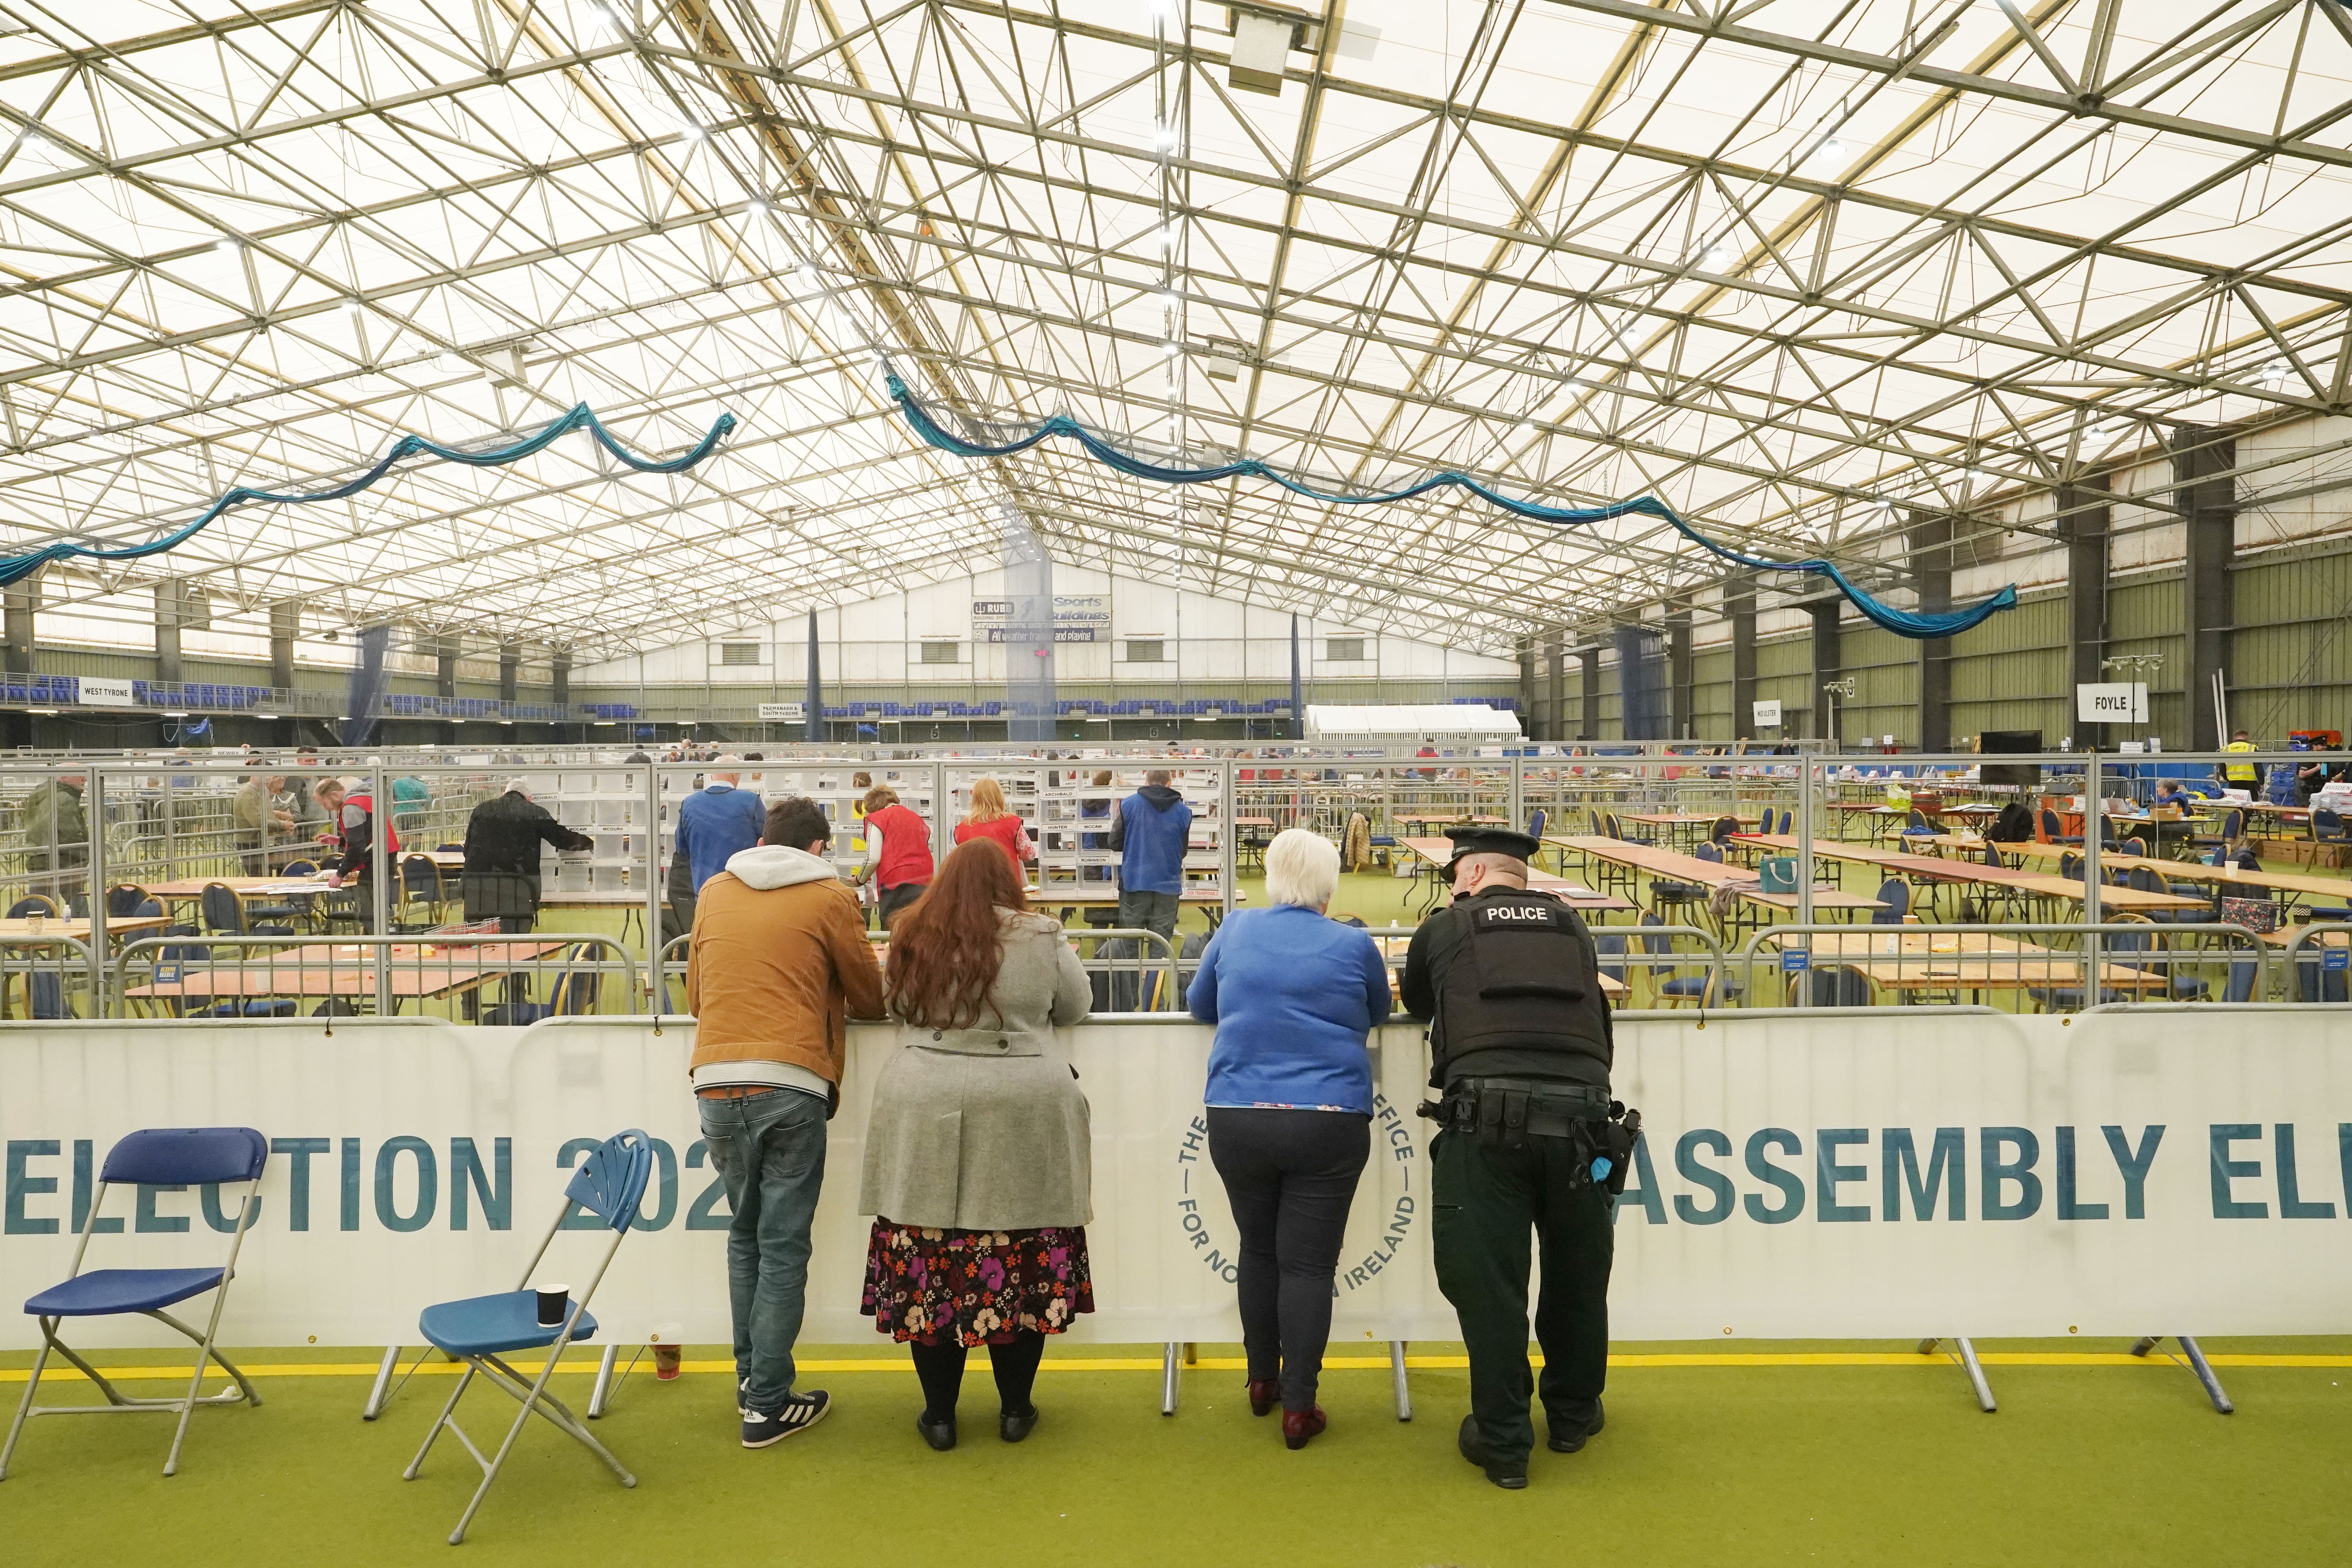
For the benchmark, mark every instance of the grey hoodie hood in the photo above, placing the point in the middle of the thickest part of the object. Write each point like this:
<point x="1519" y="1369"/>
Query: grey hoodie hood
<point x="1160" y="796"/>
<point x="767" y="866"/>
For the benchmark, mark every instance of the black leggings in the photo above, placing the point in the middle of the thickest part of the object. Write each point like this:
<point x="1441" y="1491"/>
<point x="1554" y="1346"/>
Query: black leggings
<point x="940" y="1368"/>
<point x="1289" y="1177"/>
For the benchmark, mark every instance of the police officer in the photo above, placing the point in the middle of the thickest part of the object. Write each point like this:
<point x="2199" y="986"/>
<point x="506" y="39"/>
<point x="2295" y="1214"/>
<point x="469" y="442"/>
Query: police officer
<point x="1520" y="1048"/>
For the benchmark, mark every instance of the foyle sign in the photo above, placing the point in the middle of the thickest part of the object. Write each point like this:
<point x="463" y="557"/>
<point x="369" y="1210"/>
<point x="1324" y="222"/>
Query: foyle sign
<point x="2111" y="702"/>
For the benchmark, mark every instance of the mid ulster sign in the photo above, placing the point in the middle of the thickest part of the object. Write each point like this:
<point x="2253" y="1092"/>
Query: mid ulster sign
<point x="1836" y="1175"/>
<point x="2111" y="702"/>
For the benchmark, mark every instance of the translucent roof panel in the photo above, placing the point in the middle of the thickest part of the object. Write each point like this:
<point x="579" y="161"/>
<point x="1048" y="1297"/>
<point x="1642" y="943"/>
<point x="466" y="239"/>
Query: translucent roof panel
<point x="1806" y="270"/>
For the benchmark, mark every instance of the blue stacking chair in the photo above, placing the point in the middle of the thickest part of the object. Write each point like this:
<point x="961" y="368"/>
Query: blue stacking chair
<point x="573" y="993"/>
<point x="1894" y="903"/>
<point x="482" y="1330"/>
<point x="159" y="1156"/>
<point x="1710" y="988"/>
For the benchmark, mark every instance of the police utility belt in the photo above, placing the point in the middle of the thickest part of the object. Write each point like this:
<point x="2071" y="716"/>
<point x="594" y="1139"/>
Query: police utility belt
<point x="1504" y="1113"/>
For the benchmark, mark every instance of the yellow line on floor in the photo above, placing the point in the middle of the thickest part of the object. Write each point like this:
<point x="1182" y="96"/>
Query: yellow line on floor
<point x="582" y="1364"/>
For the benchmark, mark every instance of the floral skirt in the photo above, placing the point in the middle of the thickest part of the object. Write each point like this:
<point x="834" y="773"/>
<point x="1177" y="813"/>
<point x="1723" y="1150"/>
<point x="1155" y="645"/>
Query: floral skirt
<point x="980" y="1285"/>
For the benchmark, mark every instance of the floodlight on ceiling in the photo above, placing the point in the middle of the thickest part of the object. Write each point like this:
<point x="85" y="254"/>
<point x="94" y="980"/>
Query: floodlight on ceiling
<point x="1263" y="37"/>
<point x="1829" y="149"/>
<point x="228" y="244"/>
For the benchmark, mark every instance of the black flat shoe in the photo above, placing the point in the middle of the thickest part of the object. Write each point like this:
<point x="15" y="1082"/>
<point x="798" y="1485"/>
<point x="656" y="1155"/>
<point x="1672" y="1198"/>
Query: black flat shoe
<point x="941" y="1437"/>
<point x="1013" y="1428"/>
<point x="1569" y="1442"/>
<point x="1502" y="1472"/>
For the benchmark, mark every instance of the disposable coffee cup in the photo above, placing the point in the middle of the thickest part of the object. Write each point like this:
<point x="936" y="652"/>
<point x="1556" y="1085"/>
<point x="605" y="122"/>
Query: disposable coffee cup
<point x="554" y="1302"/>
<point x="670" y="1351"/>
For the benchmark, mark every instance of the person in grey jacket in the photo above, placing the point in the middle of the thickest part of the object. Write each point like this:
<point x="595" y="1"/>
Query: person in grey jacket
<point x="978" y="1167"/>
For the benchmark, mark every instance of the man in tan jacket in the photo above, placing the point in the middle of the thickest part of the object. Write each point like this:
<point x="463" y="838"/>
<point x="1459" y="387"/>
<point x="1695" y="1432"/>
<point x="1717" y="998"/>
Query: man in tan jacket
<point x="778" y="964"/>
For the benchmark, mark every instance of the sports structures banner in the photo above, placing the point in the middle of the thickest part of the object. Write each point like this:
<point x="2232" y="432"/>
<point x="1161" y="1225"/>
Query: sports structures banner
<point x="1854" y="1175"/>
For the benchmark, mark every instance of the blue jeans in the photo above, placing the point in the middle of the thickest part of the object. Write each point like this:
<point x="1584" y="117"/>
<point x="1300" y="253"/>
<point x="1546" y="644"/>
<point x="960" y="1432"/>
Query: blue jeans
<point x="768" y="1149"/>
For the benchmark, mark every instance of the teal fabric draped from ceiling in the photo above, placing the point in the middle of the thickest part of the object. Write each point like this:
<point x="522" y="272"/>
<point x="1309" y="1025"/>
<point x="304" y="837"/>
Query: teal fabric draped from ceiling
<point x="580" y="417"/>
<point x="992" y="439"/>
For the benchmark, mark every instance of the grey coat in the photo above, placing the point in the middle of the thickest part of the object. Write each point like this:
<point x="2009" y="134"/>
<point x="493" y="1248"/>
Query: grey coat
<point x="986" y="1129"/>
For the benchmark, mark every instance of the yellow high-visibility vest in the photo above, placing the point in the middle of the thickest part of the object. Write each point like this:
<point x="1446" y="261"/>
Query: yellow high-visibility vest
<point x="2241" y="774"/>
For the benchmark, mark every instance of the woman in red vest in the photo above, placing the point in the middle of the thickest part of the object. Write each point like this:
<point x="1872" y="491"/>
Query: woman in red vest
<point x="898" y="851"/>
<point x="991" y="818"/>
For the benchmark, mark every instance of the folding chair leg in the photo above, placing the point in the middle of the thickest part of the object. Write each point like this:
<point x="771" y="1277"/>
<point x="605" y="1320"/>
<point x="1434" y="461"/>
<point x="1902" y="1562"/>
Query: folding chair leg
<point x="535" y="1398"/>
<point x="447" y="1410"/>
<point x="23" y="1410"/>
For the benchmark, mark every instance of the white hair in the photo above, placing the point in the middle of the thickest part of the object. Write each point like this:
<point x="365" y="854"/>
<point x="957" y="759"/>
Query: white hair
<point x="1301" y="867"/>
<point x="518" y="787"/>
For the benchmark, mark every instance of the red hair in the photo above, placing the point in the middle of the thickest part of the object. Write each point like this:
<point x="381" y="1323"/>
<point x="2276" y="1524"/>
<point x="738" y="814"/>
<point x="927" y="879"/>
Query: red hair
<point x="946" y="946"/>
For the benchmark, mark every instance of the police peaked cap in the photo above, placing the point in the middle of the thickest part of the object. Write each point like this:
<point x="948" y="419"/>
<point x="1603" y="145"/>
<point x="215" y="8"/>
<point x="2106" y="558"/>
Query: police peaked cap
<point x="1507" y="841"/>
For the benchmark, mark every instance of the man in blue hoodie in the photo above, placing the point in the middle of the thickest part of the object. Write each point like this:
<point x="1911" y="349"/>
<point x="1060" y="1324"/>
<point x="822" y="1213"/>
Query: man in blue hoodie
<point x="1151" y="832"/>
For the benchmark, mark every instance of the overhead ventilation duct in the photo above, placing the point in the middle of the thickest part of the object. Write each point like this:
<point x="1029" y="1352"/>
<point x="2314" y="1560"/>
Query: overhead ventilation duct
<point x="1263" y="37"/>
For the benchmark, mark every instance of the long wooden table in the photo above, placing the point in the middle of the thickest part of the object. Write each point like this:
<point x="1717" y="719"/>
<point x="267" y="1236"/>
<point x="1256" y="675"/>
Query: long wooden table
<point x="326" y="969"/>
<point x="1934" y="869"/>
<point x="1907" y="960"/>
<point x="1684" y="825"/>
<point x="1575" y="895"/>
<point x="1680" y="868"/>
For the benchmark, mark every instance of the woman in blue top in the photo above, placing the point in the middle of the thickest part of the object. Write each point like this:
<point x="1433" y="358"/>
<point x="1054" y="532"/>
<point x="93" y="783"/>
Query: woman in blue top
<point x="1294" y="995"/>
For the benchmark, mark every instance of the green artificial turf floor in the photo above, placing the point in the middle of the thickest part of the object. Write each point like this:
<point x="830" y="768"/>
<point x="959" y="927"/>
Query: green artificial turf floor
<point x="1707" y="1464"/>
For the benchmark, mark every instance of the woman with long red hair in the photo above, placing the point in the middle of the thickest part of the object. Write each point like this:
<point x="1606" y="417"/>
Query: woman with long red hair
<point x="977" y="1168"/>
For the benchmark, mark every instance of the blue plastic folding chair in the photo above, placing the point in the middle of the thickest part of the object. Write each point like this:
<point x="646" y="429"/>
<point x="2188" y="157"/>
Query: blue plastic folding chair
<point x="482" y="1330"/>
<point x="159" y="1156"/>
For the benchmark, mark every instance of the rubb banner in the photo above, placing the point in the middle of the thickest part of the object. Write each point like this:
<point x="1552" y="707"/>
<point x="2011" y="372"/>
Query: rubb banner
<point x="1885" y="1174"/>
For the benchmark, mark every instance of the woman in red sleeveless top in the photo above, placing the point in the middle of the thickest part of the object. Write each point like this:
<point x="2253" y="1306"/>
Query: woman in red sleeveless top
<point x="991" y="818"/>
<point x="898" y="851"/>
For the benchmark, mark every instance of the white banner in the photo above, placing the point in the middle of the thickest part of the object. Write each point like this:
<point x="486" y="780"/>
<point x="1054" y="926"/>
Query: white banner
<point x="783" y="712"/>
<point x="1767" y="714"/>
<point x="2111" y="702"/>
<point x="1077" y="617"/>
<point x="1861" y="1176"/>
<point x="94" y="692"/>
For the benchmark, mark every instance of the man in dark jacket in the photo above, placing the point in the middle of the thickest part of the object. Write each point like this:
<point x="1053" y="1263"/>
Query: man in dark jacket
<point x="1150" y="830"/>
<point x="503" y="851"/>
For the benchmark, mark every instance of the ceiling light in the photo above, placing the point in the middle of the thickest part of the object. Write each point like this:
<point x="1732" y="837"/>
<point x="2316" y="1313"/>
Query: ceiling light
<point x="354" y="308"/>
<point x="1719" y="253"/>
<point x="1163" y="137"/>
<point x="688" y="130"/>
<point x="176" y="712"/>
<point x="808" y="272"/>
<point x="756" y="206"/>
<point x="228" y="244"/>
<point x="1168" y="236"/>
<point x="1830" y="147"/>
<point x="265" y="715"/>
<point x="1171" y="350"/>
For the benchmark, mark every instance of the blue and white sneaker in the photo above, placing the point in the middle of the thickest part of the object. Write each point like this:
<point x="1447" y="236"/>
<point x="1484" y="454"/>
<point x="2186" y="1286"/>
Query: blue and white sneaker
<point x="798" y="1414"/>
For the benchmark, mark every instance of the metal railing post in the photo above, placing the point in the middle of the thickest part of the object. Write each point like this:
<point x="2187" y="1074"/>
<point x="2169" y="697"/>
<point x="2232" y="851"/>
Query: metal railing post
<point x="2095" y="831"/>
<point x="94" y="814"/>
<point x="655" y="883"/>
<point x="379" y="870"/>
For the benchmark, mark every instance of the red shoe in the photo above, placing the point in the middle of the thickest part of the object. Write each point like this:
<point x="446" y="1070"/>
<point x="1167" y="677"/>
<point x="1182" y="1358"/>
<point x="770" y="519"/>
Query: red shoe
<point x="1263" y="1396"/>
<point x="1298" y="1425"/>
